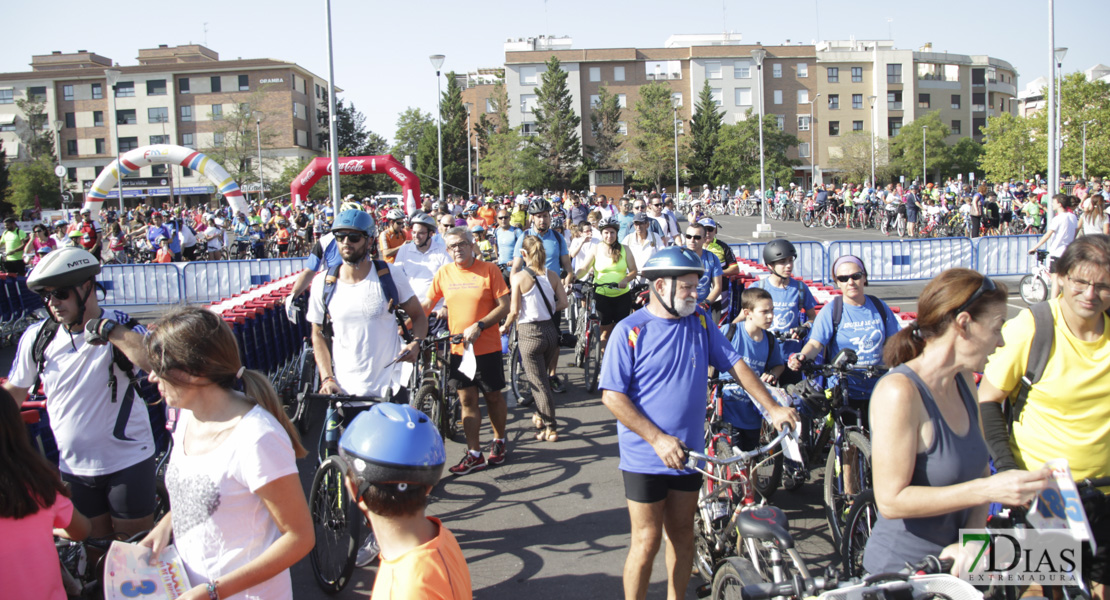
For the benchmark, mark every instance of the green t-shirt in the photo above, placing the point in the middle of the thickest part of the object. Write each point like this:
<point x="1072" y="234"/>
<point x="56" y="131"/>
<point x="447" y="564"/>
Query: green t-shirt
<point x="13" y="242"/>
<point x="1032" y="209"/>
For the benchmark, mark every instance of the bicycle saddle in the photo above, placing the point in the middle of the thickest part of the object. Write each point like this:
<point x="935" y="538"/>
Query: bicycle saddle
<point x="767" y="523"/>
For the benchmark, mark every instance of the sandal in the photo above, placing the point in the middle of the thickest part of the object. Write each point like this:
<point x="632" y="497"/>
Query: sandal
<point x="548" y="435"/>
<point x="537" y="421"/>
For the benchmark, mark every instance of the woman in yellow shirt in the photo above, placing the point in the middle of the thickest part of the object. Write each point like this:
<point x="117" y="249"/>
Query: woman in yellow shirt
<point x="611" y="262"/>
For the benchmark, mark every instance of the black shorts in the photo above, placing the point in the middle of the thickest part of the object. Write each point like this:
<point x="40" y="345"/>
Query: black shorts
<point x="1051" y="262"/>
<point x="489" y="375"/>
<point x="1007" y="216"/>
<point x="17" y="267"/>
<point x="613" y="308"/>
<point x="649" y="489"/>
<point x="125" y="494"/>
<point x="189" y="252"/>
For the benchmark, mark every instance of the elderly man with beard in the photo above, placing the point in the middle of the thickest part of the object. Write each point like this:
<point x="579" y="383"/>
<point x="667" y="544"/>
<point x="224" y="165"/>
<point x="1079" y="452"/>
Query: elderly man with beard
<point x="653" y="380"/>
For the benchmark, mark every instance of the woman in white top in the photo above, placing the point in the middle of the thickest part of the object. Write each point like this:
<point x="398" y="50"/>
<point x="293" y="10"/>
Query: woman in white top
<point x="641" y="241"/>
<point x="239" y="517"/>
<point x="1093" y="219"/>
<point x="536" y="292"/>
<point x="1059" y="233"/>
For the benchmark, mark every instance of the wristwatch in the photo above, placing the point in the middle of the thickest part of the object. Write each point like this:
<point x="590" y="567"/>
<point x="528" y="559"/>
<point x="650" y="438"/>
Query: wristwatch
<point x="481" y="326"/>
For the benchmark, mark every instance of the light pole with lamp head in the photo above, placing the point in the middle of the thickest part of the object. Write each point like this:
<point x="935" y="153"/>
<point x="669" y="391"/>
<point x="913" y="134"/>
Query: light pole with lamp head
<point x="872" y="99"/>
<point x="674" y="107"/>
<point x="60" y="171"/>
<point x="469" y="173"/>
<point x="1059" y="54"/>
<point x="258" y="116"/>
<point x="112" y="76"/>
<point x="758" y="55"/>
<point x="437" y="62"/>
<point x="924" y="158"/>
<point x="812" y="145"/>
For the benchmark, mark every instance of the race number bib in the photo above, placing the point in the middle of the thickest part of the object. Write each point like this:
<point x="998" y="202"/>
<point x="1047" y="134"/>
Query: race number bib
<point x="1059" y="505"/>
<point x="128" y="573"/>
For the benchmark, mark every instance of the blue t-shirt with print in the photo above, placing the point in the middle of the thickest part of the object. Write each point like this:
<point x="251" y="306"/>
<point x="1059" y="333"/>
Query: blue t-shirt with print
<point x="787" y="302"/>
<point x="713" y="269"/>
<point x="864" y="329"/>
<point x="506" y="244"/>
<point x="662" y="366"/>
<point x="554" y="246"/>
<point x="738" y="408"/>
<point x="625" y="222"/>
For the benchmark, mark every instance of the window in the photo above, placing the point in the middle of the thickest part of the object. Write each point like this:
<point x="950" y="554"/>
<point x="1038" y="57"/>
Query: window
<point x="780" y="122"/>
<point x="67" y="92"/>
<point x="803" y="150"/>
<point x="743" y="96"/>
<point x="595" y="100"/>
<point x="894" y="73"/>
<point x="803" y="122"/>
<point x="955" y="127"/>
<point x="187" y="140"/>
<point x="978" y="101"/>
<point x="803" y="70"/>
<point x="186" y="113"/>
<point x="663" y="69"/>
<point x="777" y="95"/>
<point x="159" y="139"/>
<point x="595" y="73"/>
<point x="955" y="101"/>
<point x="742" y="69"/>
<point x="216" y="87"/>
<point x="125" y="89"/>
<point x="97" y="91"/>
<point x="527" y="102"/>
<point x="834" y="101"/>
<point x="489" y="106"/>
<point x="101" y="146"/>
<point x="857" y="125"/>
<point x="322" y="116"/>
<point x="71" y="147"/>
<point x="676" y="99"/>
<point x="977" y="125"/>
<point x="618" y="73"/>
<point x="833" y="74"/>
<point x="718" y="96"/>
<point x="776" y="70"/>
<point x="7" y="96"/>
<point x="622" y="100"/>
<point x="127" y="144"/>
<point x="319" y="91"/>
<point x="159" y="170"/>
<point x="158" y="115"/>
<point x="8" y="127"/>
<point x="217" y="112"/>
<point x="71" y="173"/>
<point x="126" y="117"/>
<point x="528" y="129"/>
<point x="978" y="76"/>
<point x="37" y="93"/>
<point x="244" y="83"/>
<point x="528" y="76"/>
<point x="857" y="74"/>
<point x="622" y="127"/>
<point x="98" y="118"/>
<point x="156" y="87"/>
<point x="713" y="69"/>
<point x="71" y="120"/>
<point x="803" y="96"/>
<point x="834" y="127"/>
<point x="857" y="100"/>
<point x="893" y="126"/>
<point x="183" y="85"/>
<point x="923" y="100"/>
<point x="218" y="138"/>
<point x="894" y="100"/>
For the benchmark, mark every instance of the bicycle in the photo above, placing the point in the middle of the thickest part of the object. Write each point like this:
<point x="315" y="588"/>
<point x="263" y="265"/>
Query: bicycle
<point x="1035" y="286"/>
<point x="434" y="396"/>
<point x="926" y="579"/>
<point x="895" y="220"/>
<point x="522" y="390"/>
<point x="587" y="352"/>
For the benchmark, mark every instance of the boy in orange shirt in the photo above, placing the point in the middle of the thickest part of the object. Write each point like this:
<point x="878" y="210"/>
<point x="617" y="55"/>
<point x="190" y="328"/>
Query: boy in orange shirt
<point x="164" y="254"/>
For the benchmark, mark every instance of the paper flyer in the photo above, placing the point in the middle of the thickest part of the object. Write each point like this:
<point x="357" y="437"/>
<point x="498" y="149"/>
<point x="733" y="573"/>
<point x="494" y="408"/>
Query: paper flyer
<point x="1058" y="506"/>
<point x="129" y="574"/>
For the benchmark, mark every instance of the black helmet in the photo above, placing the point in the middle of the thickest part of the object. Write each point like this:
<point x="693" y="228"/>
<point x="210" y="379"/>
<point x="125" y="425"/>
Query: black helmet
<point x="64" y="268"/>
<point x="537" y="206"/>
<point x="778" y="249"/>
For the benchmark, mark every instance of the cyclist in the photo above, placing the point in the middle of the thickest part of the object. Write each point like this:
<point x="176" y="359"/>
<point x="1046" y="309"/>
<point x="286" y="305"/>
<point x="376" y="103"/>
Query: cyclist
<point x="791" y="298"/>
<point x="762" y="355"/>
<point x="483" y="246"/>
<point x="91" y="232"/>
<point x="931" y="478"/>
<point x="283" y="237"/>
<point x="729" y="267"/>
<point x="655" y="384"/>
<point x="13" y="241"/>
<point x="911" y="202"/>
<point x="391" y="238"/>
<point x="1060" y="233"/>
<point x="642" y="242"/>
<point x="324" y="255"/>
<point x="610" y="262"/>
<point x="506" y="237"/>
<point x="710" y="285"/>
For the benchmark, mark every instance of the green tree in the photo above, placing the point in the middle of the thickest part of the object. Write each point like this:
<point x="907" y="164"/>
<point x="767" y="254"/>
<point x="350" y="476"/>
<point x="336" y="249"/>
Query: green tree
<point x="964" y="158"/>
<point x="5" y="208"/>
<point x="652" y="157"/>
<point x="35" y="132"/>
<point x="410" y="126"/>
<point x="488" y="126"/>
<point x="512" y="164"/>
<point x="282" y="182"/>
<point x="854" y="158"/>
<point x="453" y="115"/>
<point x="704" y="127"/>
<point x="556" y="125"/>
<point x="736" y="160"/>
<point x="605" y="117"/>
<point x="1010" y="149"/>
<point x="906" y="150"/>
<point x="34" y="179"/>
<point x="236" y="139"/>
<point x="1081" y="102"/>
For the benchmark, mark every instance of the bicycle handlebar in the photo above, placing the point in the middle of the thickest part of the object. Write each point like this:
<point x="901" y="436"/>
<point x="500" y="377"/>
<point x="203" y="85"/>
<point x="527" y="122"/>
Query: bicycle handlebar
<point x="809" y="367"/>
<point x="694" y="456"/>
<point x="338" y="398"/>
<point x="796" y="587"/>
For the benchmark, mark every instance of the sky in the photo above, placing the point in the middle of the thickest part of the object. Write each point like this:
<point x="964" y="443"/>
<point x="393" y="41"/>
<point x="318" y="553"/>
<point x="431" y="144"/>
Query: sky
<point x="381" y="49"/>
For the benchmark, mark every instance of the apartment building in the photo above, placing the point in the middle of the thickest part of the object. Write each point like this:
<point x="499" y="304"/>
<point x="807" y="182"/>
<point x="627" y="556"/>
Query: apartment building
<point x="175" y="95"/>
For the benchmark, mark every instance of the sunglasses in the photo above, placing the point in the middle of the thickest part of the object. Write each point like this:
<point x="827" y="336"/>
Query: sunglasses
<point x="654" y="204"/>
<point x="59" y="294"/>
<point x="502" y="218"/>
<point x="986" y="286"/>
<point x="854" y="277"/>
<point x="353" y="237"/>
<point x="692" y="237"/>
<point x="639" y="207"/>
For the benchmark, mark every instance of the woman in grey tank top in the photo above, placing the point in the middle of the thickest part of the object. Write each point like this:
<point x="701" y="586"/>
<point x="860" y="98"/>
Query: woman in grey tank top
<point x="930" y="469"/>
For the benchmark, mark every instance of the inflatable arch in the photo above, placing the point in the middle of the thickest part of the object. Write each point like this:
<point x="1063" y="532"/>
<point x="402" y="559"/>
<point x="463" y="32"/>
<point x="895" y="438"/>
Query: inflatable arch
<point x="359" y="165"/>
<point x="164" y="154"/>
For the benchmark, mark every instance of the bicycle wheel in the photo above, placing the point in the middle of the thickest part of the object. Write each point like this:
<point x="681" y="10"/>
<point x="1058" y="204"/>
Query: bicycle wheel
<point x="884" y="225"/>
<point x="590" y="350"/>
<point x="521" y="388"/>
<point x="767" y="476"/>
<point x="857" y="529"/>
<point x="840" y="491"/>
<point x="336" y="520"/>
<point x="427" y="401"/>
<point x="305" y="377"/>
<point x="1033" y="289"/>
<point x="901" y="225"/>
<point x="731" y="577"/>
<point x="830" y="220"/>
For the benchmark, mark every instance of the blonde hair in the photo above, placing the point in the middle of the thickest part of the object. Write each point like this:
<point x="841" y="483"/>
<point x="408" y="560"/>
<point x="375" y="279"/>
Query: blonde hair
<point x="537" y="256"/>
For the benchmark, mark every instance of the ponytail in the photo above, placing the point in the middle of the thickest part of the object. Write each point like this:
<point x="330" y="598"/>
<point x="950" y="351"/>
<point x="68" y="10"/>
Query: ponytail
<point x="258" y="390"/>
<point x="905" y="346"/>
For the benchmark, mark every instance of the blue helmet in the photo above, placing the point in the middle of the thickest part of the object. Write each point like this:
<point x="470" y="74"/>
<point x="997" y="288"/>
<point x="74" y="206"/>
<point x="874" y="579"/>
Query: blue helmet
<point x="673" y="261"/>
<point x="357" y="220"/>
<point x="393" y="443"/>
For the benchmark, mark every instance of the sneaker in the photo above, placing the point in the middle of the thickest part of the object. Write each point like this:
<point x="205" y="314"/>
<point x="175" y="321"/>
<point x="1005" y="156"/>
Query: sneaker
<point x="497" y="452"/>
<point x="556" y="385"/>
<point x="469" y="463"/>
<point x="368" y="552"/>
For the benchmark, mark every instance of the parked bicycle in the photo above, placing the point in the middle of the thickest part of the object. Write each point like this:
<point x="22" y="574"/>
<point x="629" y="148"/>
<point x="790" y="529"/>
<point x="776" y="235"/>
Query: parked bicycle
<point x="435" y="396"/>
<point x="587" y="351"/>
<point x="1034" y="287"/>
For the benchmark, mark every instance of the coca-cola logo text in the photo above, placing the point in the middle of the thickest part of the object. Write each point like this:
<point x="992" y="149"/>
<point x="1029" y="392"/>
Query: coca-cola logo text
<point x="308" y="176"/>
<point x="399" y="176"/>
<point x="351" y="166"/>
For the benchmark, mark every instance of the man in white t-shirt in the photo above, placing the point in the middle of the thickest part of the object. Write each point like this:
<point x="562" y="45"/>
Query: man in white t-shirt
<point x="421" y="258"/>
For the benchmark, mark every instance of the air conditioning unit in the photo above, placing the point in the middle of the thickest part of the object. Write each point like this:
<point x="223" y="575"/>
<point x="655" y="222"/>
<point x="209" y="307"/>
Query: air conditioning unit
<point x="651" y="76"/>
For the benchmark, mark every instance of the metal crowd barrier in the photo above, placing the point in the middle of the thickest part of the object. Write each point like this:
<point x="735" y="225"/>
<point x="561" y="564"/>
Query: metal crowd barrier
<point x="1005" y="255"/>
<point x="138" y="285"/>
<point x="906" y="260"/>
<point x="204" y="282"/>
<point x="812" y="263"/>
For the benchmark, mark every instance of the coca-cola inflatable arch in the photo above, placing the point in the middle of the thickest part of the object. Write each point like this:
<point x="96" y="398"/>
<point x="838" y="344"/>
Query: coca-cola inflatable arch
<point x="359" y="165"/>
<point x="163" y="154"/>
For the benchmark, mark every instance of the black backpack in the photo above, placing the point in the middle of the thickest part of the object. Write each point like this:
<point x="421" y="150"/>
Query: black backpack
<point x="1044" y="332"/>
<point x="385" y="277"/>
<point x="838" y="313"/>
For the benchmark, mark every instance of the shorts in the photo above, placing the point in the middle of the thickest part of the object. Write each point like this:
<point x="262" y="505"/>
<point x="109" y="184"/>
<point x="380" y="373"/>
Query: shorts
<point x="489" y="375"/>
<point x="1007" y="216"/>
<point x="1097" y="567"/>
<point x="911" y="215"/>
<point x="613" y="308"/>
<point x="648" y="488"/>
<point x="125" y="494"/>
<point x="1050" y="262"/>
<point x="17" y="267"/>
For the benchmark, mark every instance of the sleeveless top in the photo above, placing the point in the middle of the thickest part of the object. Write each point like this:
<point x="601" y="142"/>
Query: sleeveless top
<point x="532" y="307"/>
<point x="608" y="271"/>
<point x="949" y="460"/>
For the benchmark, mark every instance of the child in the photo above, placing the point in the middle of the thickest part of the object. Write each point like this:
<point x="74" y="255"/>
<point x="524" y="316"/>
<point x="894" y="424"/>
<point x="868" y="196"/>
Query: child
<point x="749" y="335"/>
<point x="283" y="237"/>
<point x="485" y="247"/>
<point x="33" y="506"/>
<point x="164" y="255"/>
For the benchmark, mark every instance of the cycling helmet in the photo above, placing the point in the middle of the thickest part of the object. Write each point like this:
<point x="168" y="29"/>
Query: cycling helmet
<point x="422" y="218"/>
<point x="357" y="220"/>
<point x="160" y="239"/>
<point x="609" y="222"/>
<point x="393" y="443"/>
<point x="672" y="261"/>
<point x="44" y="249"/>
<point x="477" y="229"/>
<point x="281" y="222"/>
<point x="538" y="206"/>
<point x="350" y="206"/>
<point x="558" y="223"/>
<point x="395" y="215"/>
<point x="65" y="268"/>
<point x="778" y="249"/>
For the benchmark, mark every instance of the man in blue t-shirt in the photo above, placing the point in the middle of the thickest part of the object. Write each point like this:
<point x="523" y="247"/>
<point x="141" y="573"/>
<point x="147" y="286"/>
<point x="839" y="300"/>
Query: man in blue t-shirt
<point x="711" y="282"/>
<point x="654" y="383"/>
<point x="505" y="236"/>
<point x="624" y="218"/>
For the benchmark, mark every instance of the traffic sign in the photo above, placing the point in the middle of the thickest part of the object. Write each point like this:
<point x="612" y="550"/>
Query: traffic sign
<point x="60" y="171"/>
<point x="67" y="197"/>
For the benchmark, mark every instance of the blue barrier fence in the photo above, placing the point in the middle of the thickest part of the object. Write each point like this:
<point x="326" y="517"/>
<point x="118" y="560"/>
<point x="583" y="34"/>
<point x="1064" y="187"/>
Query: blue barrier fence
<point x="140" y="285"/>
<point x="812" y="263"/>
<point x="210" y="281"/>
<point x="907" y="260"/>
<point x="1007" y="255"/>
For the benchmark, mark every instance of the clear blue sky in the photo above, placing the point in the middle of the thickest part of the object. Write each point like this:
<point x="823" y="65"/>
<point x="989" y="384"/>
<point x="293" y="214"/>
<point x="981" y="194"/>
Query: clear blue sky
<point x="382" y="49"/>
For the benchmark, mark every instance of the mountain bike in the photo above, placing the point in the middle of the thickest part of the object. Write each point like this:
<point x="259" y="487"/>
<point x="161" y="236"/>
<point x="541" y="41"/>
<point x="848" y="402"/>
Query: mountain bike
<point x="587" y="351"/>
<point x="1034" y="287"/>
<point x="435" y="396"/>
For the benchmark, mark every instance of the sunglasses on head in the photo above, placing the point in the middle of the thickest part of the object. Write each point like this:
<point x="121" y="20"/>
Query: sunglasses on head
<point x="854" y="277"/>
<point x="58" y="294"/>
<point x="986" y="286"/>
<point x="353" y="237"/>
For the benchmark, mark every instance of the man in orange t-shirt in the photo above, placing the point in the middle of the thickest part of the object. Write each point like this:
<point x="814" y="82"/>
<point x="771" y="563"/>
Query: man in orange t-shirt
<point x="477" y="299"/>
<point x="393" y="236"/>
<point x="488" y="213"/>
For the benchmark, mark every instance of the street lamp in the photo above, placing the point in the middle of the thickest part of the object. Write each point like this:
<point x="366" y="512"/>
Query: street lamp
<point x="674" y="107"/>
<point x="437" y="62"/>
<point x="1059" y="54"/>
<point x="469" y="180"/>
<point x="758" y="54"/>
<point x="258" y="116"/>
<point x="112" y="75"/>
<point x="812" y="146"/>
<point x="924" y="158"/>
<point x="872" y="100"/>
<point x="60" y="171"/>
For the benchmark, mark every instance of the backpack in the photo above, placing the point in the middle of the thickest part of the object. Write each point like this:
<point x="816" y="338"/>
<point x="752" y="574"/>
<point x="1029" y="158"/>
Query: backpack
<point x="385" y="277"/>
<point x="838" y="313"/>
<point x="1044" y="331"/>
<point x="732" y="327"/>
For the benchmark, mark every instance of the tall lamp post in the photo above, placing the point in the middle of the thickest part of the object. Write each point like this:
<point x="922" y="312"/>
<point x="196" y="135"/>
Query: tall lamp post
<point x="333" y="121"/>
<point x="60" y="171"/>
<point x="924" y="157"/>
<point x="872" y="99"/>
<point x="812" y="146"/>
<point x="258" y="116"/>
<point x="112" y="75"/>
<point x="437" y="62"/>
<point x="1053" y="182"/>
<point x="1059" y="54"/>
<point x="758" y="55"/>
<point x="469" y="179"/>
<point x="674" y="107"/>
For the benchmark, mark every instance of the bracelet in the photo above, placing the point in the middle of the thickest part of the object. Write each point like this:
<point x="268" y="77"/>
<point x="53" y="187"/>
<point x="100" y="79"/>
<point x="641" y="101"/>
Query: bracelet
<point x="327" y="379"/>
<point x="213" y="593"/>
